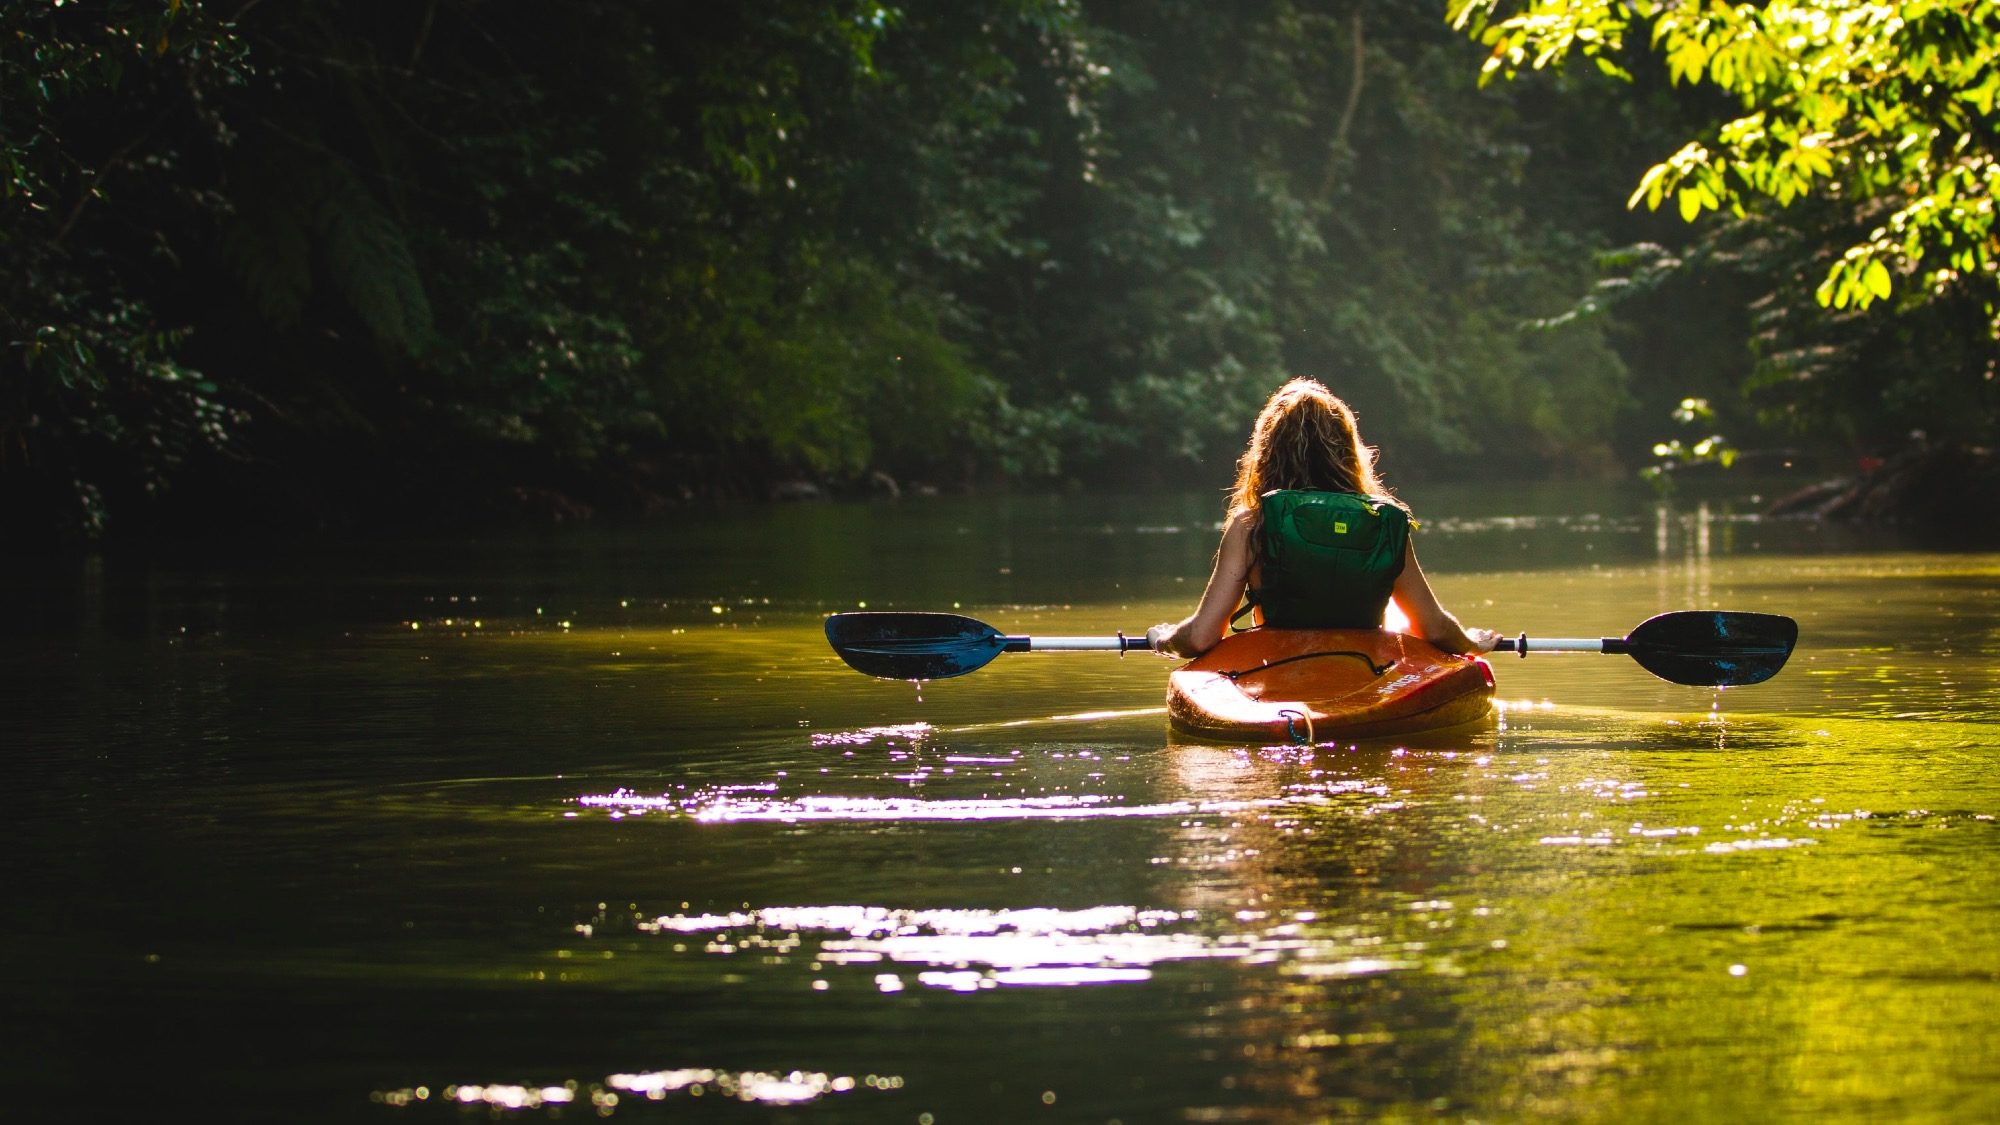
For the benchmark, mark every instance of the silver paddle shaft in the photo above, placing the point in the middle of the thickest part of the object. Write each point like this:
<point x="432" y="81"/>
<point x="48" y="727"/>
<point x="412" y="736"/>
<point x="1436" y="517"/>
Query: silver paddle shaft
<point x="1523" y="645"/>
<point x="1122" y="643"/>
<point x="1119" y="643"/>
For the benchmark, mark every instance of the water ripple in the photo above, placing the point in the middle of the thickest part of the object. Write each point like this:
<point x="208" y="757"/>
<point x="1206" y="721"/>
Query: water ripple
<point x="795" y="1087"/>
<point x="966" y="950"/>
<point x="739" y="804"/>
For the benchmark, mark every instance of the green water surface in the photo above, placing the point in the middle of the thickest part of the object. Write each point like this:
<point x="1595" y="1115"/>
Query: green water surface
<point x="594" y="824"/>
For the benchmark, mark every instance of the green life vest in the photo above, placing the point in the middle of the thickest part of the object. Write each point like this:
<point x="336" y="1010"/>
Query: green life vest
<point x="1329" y="559"/>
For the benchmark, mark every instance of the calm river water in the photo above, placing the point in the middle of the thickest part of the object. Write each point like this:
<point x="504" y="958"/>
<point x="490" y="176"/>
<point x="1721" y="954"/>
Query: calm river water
<point x="595" y="824"/>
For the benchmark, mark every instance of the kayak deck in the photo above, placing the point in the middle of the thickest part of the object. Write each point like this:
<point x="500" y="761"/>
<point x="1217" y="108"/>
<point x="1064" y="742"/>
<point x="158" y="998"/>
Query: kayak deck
<point x="1312" y="685"/>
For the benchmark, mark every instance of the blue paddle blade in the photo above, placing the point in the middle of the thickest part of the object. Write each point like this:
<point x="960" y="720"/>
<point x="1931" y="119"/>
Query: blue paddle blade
<point x="1713" y="648"/>
<point x="913" y="646"/>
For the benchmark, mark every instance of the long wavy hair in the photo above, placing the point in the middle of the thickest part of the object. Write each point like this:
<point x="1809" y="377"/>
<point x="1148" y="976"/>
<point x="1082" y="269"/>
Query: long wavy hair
<point x="1305" y="437"/>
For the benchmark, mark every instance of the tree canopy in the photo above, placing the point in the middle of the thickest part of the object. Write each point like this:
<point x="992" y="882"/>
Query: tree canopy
<point x="341" y="262"/>
<point x="1875" y="118"/>
<point x="1877" y="102"/>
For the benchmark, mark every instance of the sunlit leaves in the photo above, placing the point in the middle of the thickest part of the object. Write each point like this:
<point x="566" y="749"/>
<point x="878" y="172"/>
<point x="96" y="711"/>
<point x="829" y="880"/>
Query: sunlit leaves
<point x="1693" y="410"/>
<point x="1679" y="453"/>
<point x="1885" y="100"/>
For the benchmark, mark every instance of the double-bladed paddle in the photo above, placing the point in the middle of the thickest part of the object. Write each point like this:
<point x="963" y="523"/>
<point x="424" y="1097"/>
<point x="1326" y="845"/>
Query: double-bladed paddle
<point x="1708" y="648"/>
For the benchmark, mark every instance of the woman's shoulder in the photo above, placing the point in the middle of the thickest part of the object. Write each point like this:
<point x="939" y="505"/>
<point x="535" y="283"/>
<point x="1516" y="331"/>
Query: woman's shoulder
<point x="1306" y="495"/>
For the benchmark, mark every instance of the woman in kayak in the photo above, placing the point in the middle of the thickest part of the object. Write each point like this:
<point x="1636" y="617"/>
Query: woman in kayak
<point x="1313" y="539"/>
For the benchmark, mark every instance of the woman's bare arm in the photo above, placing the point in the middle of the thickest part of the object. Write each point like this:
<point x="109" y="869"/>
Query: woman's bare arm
<point x="1203" y="629"/>
<point x="1429" y="619"/>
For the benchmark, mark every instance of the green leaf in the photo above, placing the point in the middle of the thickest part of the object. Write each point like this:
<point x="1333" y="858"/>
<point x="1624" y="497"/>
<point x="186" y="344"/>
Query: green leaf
<point x="1876" y="278"/>
<point x="1649" y="187"/>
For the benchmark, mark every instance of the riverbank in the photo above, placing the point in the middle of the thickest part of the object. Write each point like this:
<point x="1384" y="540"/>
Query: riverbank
<point x="1951" y="491"/>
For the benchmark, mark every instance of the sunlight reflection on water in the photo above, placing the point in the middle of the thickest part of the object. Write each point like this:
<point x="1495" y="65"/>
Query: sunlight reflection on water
<point x="1036" y="946"/>
<point x="714" y="807"/>
<point x="791" y="1088"/>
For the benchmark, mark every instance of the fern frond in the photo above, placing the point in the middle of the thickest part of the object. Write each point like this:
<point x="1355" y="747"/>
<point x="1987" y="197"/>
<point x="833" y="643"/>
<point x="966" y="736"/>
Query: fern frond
<point x="269" y="248"/>
<point x="303" y="198"/>
<point x="372" y="266"/>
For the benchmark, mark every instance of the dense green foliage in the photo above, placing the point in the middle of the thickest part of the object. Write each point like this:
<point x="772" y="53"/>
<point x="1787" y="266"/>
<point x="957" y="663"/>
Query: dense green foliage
<point x="106" y="116"/>
<point x="335" y="261"/>
<point x="1860" y="165"/>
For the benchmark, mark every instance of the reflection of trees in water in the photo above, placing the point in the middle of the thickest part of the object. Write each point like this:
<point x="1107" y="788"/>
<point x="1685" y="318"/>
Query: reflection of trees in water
<point x="1354" y="1007"/>
<point x="1515" y="934"/>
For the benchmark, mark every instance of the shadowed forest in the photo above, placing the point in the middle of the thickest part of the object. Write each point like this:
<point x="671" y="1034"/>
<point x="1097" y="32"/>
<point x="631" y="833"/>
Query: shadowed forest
<point x="340" y="264"/>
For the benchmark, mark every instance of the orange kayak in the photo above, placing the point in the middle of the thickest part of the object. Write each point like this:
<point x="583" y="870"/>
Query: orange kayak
<point x="1316" y="685"/>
